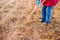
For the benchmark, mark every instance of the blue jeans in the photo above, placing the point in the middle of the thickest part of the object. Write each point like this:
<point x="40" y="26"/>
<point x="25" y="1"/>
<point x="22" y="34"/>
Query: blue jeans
<point x="46" y="13"/>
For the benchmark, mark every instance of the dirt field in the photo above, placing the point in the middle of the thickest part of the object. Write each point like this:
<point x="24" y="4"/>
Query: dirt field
<point x="13" y="26"/>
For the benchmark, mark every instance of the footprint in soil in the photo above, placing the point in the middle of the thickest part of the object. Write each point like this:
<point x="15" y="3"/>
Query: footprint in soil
<point x="0" y="7"/>
<point x="58" y="39"/>
<point x="0" y="18"/>
<point x="13" y="19"/>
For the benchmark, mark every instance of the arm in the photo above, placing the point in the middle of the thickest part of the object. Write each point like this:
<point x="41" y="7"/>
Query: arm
<point x="39" y="3"/>
<point x="36" y="4"/>
<point x="42" y="1"/>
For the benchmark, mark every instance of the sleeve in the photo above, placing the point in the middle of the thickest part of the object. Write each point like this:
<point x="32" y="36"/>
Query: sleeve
<point x="37" y="2"/>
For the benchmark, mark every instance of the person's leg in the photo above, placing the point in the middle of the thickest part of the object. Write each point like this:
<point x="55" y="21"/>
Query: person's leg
<point x="43" y="13"/>
<point x="48" y="14"/>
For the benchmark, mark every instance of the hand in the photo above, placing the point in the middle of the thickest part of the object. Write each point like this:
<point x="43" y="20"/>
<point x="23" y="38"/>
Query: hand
<point x="39" y="4"/>
<point x="35" y="7"/>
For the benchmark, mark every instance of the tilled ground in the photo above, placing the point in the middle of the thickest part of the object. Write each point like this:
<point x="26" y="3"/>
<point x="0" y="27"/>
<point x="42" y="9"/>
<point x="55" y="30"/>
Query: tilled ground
<point x="13" y="26"/>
